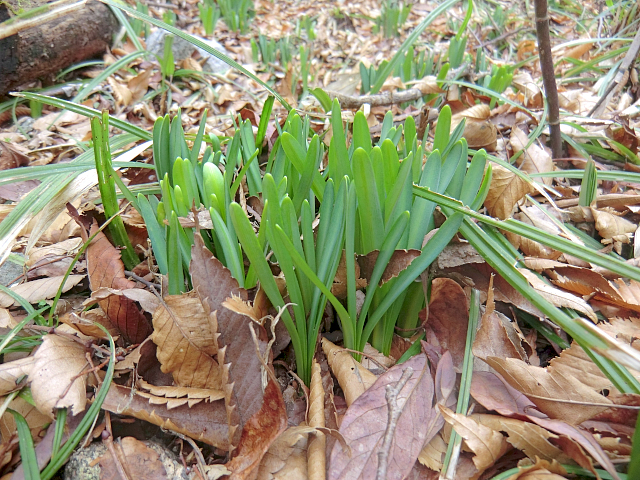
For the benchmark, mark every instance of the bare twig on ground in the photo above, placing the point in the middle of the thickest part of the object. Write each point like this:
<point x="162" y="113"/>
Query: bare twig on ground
<point x="632" y="53"/>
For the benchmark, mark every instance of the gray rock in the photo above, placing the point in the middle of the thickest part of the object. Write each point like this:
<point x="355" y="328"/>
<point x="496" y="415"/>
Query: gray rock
<point x="9" y="271"/>
<point x="183" y="49"/>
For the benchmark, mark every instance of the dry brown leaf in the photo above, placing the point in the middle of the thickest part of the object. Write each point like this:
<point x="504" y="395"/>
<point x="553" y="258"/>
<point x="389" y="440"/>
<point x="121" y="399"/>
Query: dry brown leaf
<point x="186" y="342"/>
<point x="182" y="394"/>
<point x="139" y="84"/>
<point x="532" y="94"/>
<point x="551" y="385"/>
<point x="12" y="372"/>
<point x="316" y="455"/>
<point x="353" y="378"/>
<point x="558" y="297"/>
<point x="56" y="377"/>
<point x="36" y="420"/>
<point x="140" y="461"/>
<point x="400" y="260"/>
<point x="496" y="336"/>
<point x="448" y="317"/>
<point x="505" y="191"/>
<point x="432" y="454"/>
<point x="38" y="290"/>
<point x="205" y="422"/>
<point x="286" y="458"/>
<point x="255" y="406"/>
<point x="610" y="225"/>
<point x="493" y="393"/>
<point x="533" y="160"/>
<point x="541" y="470"/>
<point x="365" y="423"/>
<point x="106" y="269"/>
<point x="527" y="437"/>
<point x="487" y="444"/>
<point x="10" y="157"/>
<point x="85" y="323"/>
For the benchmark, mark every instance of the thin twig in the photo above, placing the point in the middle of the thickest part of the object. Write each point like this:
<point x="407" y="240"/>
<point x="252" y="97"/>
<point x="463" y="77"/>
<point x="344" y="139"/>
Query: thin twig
<point x="632" y="53"/>
<point x="392" y="392"/>
<point x="378" y="99"/>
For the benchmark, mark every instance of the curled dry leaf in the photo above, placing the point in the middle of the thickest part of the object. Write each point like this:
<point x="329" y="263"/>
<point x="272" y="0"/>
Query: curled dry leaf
<point x="487" y="444"/>
<point x="37" y="290"/>
<point x="534" y="159"/>
<point x="353" y="378"/>
<point x="493" y="393"/>
<point x="317" y="446"/>
<point x="56" y="377"/>
<point x="254" y="403"/>
<point x="185" y="336"/>
<point x="205" y="421"/>
<point x="541" y="470"/>
<point x="286" y="458"/>
<point x="36" y="420"/>
<point x="400" y="260"/>
<point x="10" y="157"/>
<point x="610" y="225"/>
<point x="505" y="191"/>
<point x="365" y="424"/>
<point x="532" y="94"/>
<point x="496" y="336"/>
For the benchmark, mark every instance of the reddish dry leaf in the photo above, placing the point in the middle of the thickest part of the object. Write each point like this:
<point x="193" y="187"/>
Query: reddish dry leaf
<point x="138" y="460"/>
<point x="581" y="437"/>
<point x="205" y="421"/>
<point x="364" y="425"/>
<point x="56" y="377"/>
<point x="494" y="394"/>
<point x="256" y="415"/>
<point x="107" y="270"/>
<point x="185" y="336"/>
<point x="400" y="260"/>
<point x="541" y="470"/>
<point x="448" y="317"/>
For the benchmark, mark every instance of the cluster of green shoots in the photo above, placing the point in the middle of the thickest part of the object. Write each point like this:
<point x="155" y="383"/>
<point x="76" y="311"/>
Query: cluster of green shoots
<point x="362" y="201"/>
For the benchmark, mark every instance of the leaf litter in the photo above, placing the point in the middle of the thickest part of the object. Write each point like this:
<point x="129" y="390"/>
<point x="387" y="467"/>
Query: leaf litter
<point x="206" y="366"/>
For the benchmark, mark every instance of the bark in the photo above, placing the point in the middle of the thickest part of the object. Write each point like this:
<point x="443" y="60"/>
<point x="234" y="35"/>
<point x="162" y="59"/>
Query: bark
<point x="47" y="48"/>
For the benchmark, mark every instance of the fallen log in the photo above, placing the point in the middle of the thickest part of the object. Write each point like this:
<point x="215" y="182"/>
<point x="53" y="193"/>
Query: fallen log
<point x="46" y="47"/>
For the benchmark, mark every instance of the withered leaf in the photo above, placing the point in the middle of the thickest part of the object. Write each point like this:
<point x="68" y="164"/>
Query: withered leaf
<point x="56" y="379"/>
<point x="107" y="270"/>
<point x="400" y="260"/>
<point x="365" y="423"/>
<point x="185" y="337"/>
<point x="142" y="462"/>
<point x="505" y="191"/>
<point x="205" y="421"/>
<point x="256" y="415"/>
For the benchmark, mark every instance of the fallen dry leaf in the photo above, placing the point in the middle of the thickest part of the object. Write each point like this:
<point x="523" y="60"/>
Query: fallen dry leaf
<point x="487" y="444"/>
<point x="41" y="289"/>
<point x="363" y="426"/>
<point x="505" y="191"/>
<point x="56" y="377"/>
<point x="138" y="460"/>
<point x="185" y="336"/>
